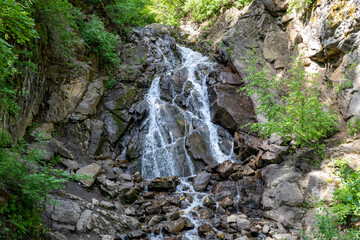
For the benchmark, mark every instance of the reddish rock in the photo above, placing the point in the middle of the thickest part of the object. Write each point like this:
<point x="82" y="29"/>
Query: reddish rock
<point x="225" y="169"/>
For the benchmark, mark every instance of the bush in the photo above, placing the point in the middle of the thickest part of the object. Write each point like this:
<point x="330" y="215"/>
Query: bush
<point x="300" y="116"/>
<point x="100" y="41"/>
<point x="353" y="127"/>
<point x="29" y="180"/>
<point x="335" y="222"/>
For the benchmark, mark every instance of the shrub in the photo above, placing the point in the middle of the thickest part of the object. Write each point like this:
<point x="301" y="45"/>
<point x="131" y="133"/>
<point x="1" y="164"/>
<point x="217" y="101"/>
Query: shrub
<point x="334" y="222"/>
<point x="100" y="41"/>
<point x="299" y="115"/>
<point x="29" y="180"/>
<point x="353" y="127"/>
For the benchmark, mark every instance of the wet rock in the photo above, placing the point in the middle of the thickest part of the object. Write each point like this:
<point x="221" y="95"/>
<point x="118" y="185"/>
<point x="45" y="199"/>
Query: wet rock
<point x="137" y="235"/>
<point x="175" y="226"/>
<point x="199" y="147"/>
<point x="204" y="230"/>
<point x="209" y="202"/>
<point x="163" y="184"/>
<point x="155" y="220"/>
<point x="206" y="213"/>
<point x="89" y="172"/>
<point x="226" y="202"/>
<point x="129" y="196"/>
<point x="172" y="215"/>
<point x="225" y="168"/>
<point x="201" y="181"/>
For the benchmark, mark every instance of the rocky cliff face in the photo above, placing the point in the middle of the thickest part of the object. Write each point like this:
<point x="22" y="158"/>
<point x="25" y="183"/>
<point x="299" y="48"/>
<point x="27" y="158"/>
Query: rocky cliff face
<point x="100" y="132"/>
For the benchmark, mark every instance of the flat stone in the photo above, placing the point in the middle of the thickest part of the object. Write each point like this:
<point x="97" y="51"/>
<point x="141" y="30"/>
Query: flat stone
<point x="91" y="171"/>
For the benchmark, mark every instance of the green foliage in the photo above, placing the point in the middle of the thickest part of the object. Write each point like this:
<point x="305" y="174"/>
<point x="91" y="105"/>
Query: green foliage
<point x="100" y="41"/>
<point x="328" y="227"/>
<point x="353" y="127"/>
<point x="170" y="11"/>
<point x="128" y="13"/>
<point x="29" y="179"/>
<point x="16" y="28"/>
<point x="347" y="196"/>
<point x="299" y="5"/>
<point x="110" y="82"/>
<point x="299" y="116"/>
<point x="333" y="222"/>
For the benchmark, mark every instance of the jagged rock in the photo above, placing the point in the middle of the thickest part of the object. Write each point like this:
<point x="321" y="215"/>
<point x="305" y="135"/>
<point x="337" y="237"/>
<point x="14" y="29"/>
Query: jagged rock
<point x="129" y="196"/>
<point x="229" y="108"/>
<point x="199" y="147"/>
<point x="163" y="184"/>
<point x="90" y="172"/>
<point x="225" y="168"/>
<point x="70" y="164"/>
<point x="129" y="223"/>
<point x="175" y="226"/>
<point x="248" y="171"/>
<point x="201" y="181"/>
<point x="66" y="212"/>
<point x="107" y="205"/>
<point x="84" y="222"/>
<point x="273" y="152"/>
<point x="90" y="100"/>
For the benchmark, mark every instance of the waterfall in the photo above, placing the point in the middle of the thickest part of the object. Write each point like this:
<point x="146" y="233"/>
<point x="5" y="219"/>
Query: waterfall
<point x="179" y="109"/>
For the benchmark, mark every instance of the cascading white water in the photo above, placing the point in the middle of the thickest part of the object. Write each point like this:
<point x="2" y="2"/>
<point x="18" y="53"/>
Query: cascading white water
<point x="165" y="152"/>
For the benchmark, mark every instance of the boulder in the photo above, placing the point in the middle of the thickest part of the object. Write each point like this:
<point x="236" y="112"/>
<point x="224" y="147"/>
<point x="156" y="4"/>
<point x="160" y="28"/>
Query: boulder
<point x="163" y="184"/>
<point x="204" y="229"/>
<point x="175" y="226"/>
<point x="201" y="181"/>
<point x="225" y="169"/>
<point x="229" y="108"/>
<point x="66" y="212"/>
<point x="89" y="173"/>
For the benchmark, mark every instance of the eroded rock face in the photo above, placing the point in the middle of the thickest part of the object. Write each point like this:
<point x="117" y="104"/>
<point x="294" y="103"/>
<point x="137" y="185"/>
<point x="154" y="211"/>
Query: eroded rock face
<point x="229" y="108"/>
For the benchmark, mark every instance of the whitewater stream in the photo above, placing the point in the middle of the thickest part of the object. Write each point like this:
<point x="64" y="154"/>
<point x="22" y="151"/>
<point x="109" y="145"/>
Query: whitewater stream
<point x="166" y="152"/>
